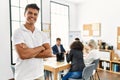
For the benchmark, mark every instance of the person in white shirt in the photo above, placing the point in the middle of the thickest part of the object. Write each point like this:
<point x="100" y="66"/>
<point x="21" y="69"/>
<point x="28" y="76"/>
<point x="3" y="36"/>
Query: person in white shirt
<point x="92" y="54"/>
<point x="32" y="46"/>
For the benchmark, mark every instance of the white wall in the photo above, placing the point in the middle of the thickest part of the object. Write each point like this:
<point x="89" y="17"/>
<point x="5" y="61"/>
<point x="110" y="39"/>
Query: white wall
<point x="106" y="12"/>
<point x="5" y="70"/>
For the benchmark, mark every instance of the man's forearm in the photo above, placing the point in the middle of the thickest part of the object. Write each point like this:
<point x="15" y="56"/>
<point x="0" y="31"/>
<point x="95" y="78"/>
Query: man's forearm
<point x="31" y="52"/>
<point x="44" y="54"/>
<point x="26" y="52"/>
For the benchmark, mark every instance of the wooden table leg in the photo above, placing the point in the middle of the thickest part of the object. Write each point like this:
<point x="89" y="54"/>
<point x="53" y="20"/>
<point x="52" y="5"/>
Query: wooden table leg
<point x="55" y="74"/>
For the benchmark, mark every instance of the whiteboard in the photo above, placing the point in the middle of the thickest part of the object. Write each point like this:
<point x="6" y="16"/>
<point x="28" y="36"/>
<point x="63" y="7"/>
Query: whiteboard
<point x="73" y="35"/>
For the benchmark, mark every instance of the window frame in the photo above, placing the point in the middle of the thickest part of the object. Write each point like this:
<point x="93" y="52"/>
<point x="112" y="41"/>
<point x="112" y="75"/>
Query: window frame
<point x="68" y="17"/>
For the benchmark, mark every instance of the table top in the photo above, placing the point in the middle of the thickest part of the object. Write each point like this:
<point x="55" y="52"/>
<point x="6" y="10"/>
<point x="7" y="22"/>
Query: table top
<point x="53" y="63"/>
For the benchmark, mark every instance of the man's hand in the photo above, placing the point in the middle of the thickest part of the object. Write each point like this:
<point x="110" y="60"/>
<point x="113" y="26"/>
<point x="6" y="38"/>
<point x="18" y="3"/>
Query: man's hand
<point x="46" y="53"/>
<point x="42" y="48"/>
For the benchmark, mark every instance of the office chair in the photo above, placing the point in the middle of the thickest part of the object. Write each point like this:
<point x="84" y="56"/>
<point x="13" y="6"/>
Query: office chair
<point x="13" y="69"/>
<point x="87" y="72"/>
<point x="96" y="62"/>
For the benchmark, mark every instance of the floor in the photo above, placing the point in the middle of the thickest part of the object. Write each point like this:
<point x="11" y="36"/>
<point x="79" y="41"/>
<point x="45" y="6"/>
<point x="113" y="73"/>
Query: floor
<point x="104" y="75"/>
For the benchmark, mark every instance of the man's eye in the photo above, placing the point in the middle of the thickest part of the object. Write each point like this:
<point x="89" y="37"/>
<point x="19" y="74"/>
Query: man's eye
<point x="29" y="12"/>
<point x="35" y="14"/>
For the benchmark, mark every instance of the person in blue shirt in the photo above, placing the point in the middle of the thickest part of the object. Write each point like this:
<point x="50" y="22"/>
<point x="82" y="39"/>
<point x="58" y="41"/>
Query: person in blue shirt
<point x="58" y="47"/>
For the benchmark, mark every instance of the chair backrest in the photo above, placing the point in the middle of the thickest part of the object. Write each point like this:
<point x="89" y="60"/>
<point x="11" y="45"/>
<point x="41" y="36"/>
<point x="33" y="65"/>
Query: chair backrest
<point x="87" y="71"/>
<point x="96" y="62"/>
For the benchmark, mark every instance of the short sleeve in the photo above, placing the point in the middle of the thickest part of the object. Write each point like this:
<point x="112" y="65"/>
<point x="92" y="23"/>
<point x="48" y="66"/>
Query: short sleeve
<point x="17" y="37"/>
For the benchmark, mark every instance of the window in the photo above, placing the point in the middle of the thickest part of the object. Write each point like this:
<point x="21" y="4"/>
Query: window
<point x="17" y="18"/>
<point x="59" y="23"/>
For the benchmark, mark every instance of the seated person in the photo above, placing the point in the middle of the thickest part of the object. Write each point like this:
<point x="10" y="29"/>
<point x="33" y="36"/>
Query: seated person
<point x="75" y="56"/>
<point x="85" y="50"/>
<point x="58" y="47"/>
<point x="59" y="51"/>
<point x="77" y="39"/>
<point x="92" y="54"/>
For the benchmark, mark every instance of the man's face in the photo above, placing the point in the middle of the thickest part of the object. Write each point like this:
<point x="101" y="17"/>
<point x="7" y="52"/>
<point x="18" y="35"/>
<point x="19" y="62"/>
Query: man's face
<point x="31" y="15"/>
<point x="58" y="42"/>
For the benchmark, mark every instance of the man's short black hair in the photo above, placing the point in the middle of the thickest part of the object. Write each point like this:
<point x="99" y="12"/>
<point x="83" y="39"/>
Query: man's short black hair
<point x="58" y="39"/>
<point x="77" y="39"/>
<point x="33" y="5"/>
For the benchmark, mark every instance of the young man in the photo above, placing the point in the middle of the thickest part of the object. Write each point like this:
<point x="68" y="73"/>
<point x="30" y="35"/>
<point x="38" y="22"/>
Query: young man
<point x="58" y="47"/>
<point x="32" y="46"/>
<point x="59" y="51"/>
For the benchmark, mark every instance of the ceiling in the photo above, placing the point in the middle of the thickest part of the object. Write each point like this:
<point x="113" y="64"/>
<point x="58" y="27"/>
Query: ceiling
<point x="75" y="1"/>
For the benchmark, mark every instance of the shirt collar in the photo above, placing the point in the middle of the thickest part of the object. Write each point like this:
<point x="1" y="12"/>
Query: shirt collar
<point x="25" y="29"/>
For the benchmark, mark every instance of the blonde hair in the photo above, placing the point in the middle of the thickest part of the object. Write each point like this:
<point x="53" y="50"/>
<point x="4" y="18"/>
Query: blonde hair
<point x="92" y="44"/>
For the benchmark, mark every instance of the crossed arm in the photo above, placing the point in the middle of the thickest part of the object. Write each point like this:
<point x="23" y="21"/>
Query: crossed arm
<point x="25" y="52"/>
